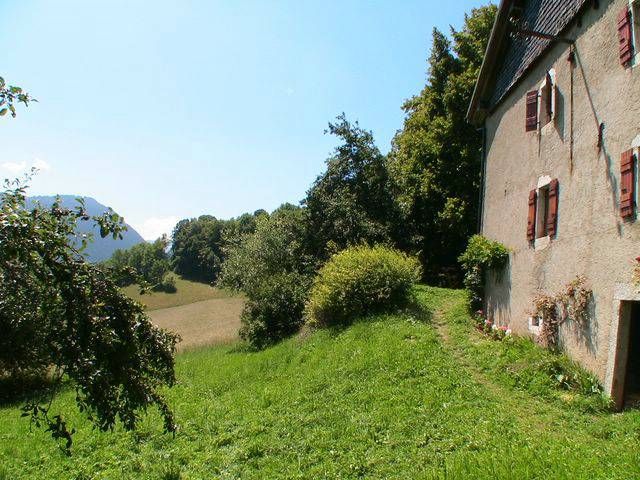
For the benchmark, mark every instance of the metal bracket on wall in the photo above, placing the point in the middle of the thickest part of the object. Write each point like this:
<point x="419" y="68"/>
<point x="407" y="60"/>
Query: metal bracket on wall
<point x="523" y="32"/>
<point x="600" y="136"/>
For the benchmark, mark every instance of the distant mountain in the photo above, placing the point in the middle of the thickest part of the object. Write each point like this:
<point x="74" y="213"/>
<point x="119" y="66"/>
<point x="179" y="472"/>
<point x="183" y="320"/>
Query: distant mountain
<point x="101" y="248"/>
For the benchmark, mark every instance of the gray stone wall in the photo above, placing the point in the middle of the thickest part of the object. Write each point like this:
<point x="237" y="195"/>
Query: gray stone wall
<point x="592" y="239"/>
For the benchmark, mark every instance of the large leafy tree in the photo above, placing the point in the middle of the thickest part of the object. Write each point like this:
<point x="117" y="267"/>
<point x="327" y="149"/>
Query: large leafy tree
<point x="65" y="319"/>
<point x="10" y="95"/>
<point x="236" y="230"/>
<point x="271" y="267"/>
<point x="197" y="248"/>
<point x="351" y="202"/>
<point x="149" y="260"/>
<point x="199" y="244"/>
<point x="435" y="159"/>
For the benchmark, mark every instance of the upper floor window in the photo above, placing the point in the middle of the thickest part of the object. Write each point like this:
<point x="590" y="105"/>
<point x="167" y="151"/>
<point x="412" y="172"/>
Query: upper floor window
<point x="629" y="33"/>
<point x="547" y="96"/>
<point x="542" y="104"/>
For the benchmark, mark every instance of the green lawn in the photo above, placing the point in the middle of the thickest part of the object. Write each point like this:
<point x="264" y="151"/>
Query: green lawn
<point x="187" y="292"/>
<point x="390" y="397"/>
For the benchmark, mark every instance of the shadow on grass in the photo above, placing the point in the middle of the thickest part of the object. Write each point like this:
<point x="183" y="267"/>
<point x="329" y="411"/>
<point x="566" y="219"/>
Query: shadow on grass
<point x="419" y="311"/>
<point x="414" y="310"/>
<point x="245" y="347"/>
<point x="17" y="389"/>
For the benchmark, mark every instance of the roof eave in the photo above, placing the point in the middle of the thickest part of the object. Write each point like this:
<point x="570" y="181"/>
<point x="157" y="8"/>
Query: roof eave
<point x="477" y="110"/>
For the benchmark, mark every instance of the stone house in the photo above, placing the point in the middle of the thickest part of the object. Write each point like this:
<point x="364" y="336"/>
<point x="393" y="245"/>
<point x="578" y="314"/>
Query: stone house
<point x="562" y="136"/>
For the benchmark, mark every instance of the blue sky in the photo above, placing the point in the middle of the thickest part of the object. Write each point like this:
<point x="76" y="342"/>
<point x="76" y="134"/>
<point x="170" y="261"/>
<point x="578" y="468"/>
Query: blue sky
<point x="171" y="109"/>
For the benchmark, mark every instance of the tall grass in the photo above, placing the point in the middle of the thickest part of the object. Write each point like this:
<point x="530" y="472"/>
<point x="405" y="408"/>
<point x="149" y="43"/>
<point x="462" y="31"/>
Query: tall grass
<point x="385" y="398"/>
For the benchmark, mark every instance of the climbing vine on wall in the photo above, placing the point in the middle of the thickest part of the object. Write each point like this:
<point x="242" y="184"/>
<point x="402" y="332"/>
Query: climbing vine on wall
<point x="572" y="302"/>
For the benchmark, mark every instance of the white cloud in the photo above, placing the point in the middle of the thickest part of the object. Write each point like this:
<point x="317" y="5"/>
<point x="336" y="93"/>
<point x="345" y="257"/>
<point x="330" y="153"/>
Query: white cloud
<point x="41" y="165"/>
<point x="153" y="228"/>
<point x="14" y="167"/>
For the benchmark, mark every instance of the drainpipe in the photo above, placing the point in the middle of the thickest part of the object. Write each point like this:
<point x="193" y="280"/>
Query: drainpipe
<point x="483" y="154"/>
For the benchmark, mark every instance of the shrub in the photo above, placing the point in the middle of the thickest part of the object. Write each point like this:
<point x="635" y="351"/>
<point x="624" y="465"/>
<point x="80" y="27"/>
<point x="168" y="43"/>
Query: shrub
<point x="359" y="281"/>
<point x="271" y="268"/>
<point x="482" y="255"/>
<point x="276" y="246"/>
<point x="168" y="284"/>
<point x="274" y="310"/>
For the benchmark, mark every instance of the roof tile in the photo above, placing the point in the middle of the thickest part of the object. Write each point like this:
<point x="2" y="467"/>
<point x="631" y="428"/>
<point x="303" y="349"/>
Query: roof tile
<point x="546" y="16"/>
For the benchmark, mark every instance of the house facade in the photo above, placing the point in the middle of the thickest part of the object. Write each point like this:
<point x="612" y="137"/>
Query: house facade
<point x="556" y="99"/>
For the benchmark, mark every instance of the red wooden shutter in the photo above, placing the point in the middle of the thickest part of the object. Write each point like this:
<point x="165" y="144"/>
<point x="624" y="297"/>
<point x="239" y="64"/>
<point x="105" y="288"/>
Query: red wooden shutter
<point x="532" y="111"/>
<point x="627" y="184"/>
<point x="624" y="36"/>
<point x="531" y="221"/>
<point x="552" y="211"/>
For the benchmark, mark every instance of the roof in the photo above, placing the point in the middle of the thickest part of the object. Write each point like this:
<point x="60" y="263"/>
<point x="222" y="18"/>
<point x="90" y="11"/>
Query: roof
<point x="508" y="59"/>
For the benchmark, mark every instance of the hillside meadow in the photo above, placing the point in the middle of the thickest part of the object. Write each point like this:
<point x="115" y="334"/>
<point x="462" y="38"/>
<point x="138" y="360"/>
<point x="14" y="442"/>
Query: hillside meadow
<point x="407" y="396"/>
<point x="187" y="292"/>
<point x="199" y="313"/>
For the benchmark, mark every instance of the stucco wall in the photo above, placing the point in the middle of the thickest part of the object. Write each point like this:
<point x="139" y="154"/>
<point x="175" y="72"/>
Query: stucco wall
<point x="592" y="239"/>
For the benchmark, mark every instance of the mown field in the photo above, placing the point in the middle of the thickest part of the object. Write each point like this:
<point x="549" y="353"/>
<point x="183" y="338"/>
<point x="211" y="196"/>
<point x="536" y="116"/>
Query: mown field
<point x="412" y="396"/>
<point x="199" y="313"/>
<point x="208" y="322"/>
<point x="187" y="292"/>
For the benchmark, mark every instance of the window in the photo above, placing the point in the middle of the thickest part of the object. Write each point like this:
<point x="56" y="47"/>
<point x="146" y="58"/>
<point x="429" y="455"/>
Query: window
<point x="635" y="22"/>
<point x="535" y="325"/>
<point x="531" y="121"/>
<point x="541" y="104"/>
<point x="542" y="221"/>
<point x="629" y="33"/>
<point x="543" y="210"/>
<point x="627" y="185"/>
<point x="547" y="96"/>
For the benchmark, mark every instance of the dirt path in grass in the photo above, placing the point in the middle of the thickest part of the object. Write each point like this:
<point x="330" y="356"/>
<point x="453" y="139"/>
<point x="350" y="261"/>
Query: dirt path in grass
<point x="208" y="322"/>
<point x="443" y="331"/>
<point x="534" y="415"/>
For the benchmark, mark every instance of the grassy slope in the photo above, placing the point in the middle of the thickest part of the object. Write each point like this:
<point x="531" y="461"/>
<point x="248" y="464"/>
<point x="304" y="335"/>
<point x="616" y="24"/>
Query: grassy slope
<point x="209" y="322"/>
<point x="387" y="398"/>
<point x="187" y="292"/>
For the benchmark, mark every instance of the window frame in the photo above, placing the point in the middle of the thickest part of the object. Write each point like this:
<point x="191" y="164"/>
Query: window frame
<point x="635" y="146"/>
<point x="535" y="324"/>
<point x="542" y="239"/>
<point x="542" y="207"/>
<point x="634" y="9"/>
<point x="548" y="113"/>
